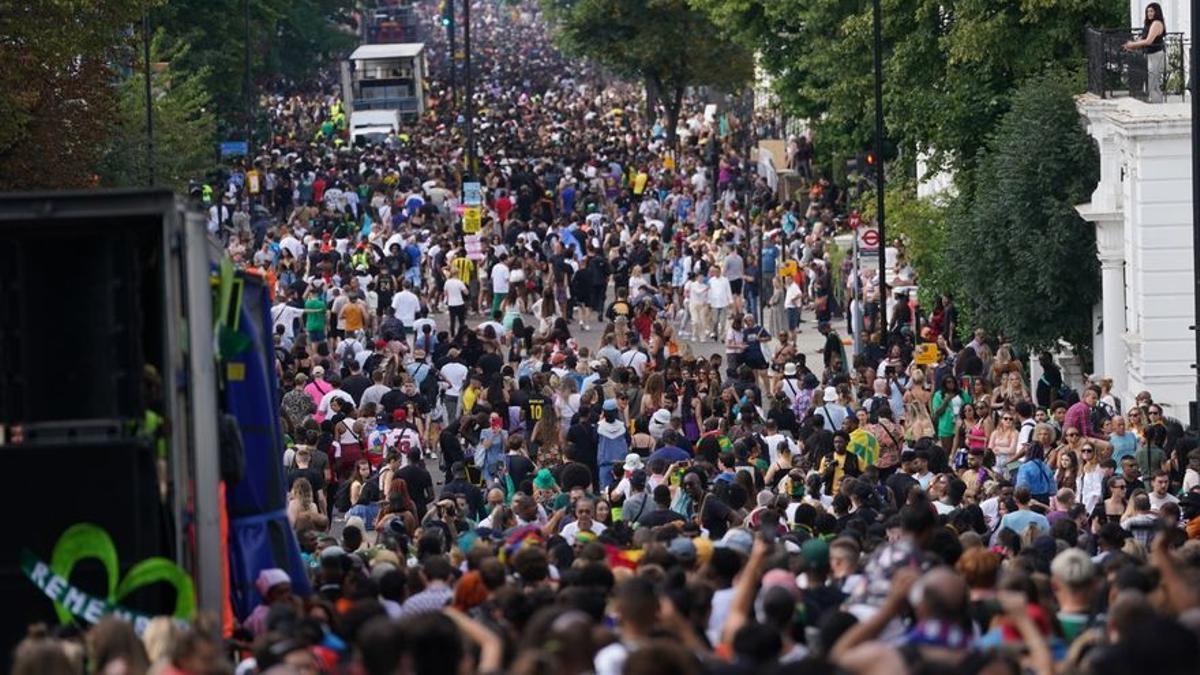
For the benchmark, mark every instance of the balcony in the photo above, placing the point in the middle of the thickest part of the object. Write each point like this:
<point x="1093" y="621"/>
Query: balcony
<point x="1113" y="72"/>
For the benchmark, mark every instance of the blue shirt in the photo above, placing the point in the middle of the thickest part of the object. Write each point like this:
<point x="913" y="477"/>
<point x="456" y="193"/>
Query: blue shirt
<point x="1018" y="521"/>
<point x="1123" y="446"/>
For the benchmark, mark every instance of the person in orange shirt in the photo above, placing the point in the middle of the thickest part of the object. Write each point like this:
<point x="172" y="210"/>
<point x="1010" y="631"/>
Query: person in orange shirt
<point x="354" y="315"/>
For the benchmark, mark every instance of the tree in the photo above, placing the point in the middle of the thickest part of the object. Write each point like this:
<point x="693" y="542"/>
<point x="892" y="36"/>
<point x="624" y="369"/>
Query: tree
<point x="950" y="66"/>
<point x="1024" y="260"/>
<point x="665" y="44"/>
<point x="56" y="96"/>
<point x="290" y="41"/>
<point x="924" y="227"/>
<point x="184" y="124"/>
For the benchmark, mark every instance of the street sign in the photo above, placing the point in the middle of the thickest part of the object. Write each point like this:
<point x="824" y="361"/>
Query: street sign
<point x="868" y="239"/>
<point x="234" y="149"/>
<point x="855" y="220"/>
<point x="472" y="194"/>
<point x="472" y="219"/>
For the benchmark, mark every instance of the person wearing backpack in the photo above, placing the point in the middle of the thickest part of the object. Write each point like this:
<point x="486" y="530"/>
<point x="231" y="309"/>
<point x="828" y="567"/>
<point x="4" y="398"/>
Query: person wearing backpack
<point x="369" y="497"/>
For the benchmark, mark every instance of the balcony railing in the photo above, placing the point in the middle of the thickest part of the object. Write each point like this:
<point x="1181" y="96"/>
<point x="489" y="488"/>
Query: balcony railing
<point x="1114" y="72"/>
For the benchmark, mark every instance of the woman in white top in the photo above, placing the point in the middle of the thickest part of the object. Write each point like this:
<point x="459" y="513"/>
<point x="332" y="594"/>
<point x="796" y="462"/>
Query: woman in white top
<point x="1089" y="486"/>
<point x="566" y="403"/>
<point x="1004" y="440"/>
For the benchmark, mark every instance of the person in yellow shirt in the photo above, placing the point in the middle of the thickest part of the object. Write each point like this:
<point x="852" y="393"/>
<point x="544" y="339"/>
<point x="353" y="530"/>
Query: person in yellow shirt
<point x="464" y="267"/>
<point x="470" y="395"/>
<point x="840" y="464"/>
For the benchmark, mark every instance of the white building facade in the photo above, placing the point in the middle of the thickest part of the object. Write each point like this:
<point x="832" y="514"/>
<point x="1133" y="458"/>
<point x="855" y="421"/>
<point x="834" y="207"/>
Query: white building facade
<point x="1142" y="212"/>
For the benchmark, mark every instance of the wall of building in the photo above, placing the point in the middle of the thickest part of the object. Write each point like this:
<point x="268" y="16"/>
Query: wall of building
<point x="1142" y="212"/>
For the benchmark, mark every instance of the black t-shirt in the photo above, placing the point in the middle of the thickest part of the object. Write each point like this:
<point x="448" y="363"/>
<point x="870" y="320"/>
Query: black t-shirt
<point x="534" y="406"/>
<point x="490" y="363"/>
<point x="314" y="476"/>
<point x="420" y="485"/>
<point x="461" y="487"/>
<point x="900" y="484"/>
<point x="659" y="517"/>
<point x="715" y="518"/>
<point x="520" y="468"/>
<point x="355" y="385"/>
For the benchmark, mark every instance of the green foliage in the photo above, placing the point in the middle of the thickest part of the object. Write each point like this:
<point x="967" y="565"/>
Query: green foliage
<point x="290" y="41"/>
<point x="950" y="66"/>
<point x="665" y="43"/>
<point x="55" y="93"/>
<point x="1024" y="261"/>
<point x="924" y="227"/>
<point x="184" y="125"/>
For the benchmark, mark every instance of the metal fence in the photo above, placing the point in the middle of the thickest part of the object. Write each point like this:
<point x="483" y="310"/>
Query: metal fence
<point x="1114" y="72"/>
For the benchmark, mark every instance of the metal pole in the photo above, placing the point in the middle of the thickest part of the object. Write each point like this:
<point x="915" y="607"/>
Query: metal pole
<point x="883" y="289"/>
<point x="246" y="67"/>
<point x="453" y="55"/>
<point x="150" y="169"/>
<point x="470" y="91"/>
<point x="1194" y="69"/>
<point x="762" y="279"/>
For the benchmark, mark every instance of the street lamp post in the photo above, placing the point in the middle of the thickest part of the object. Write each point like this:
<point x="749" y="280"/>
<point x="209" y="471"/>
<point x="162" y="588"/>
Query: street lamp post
<point x="469" y="111"/>
<point x="883" y="288"/>
<point x="150" y="169"/>
<point x="1194" y="59"/>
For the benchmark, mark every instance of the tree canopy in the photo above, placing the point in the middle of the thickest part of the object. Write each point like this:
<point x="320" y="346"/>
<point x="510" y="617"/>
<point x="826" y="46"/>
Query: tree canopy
<point x="667" y="44"/>
<point x="950" y="66"/>
<point x="1022" y="259"/>
<point x="185" y="126"/>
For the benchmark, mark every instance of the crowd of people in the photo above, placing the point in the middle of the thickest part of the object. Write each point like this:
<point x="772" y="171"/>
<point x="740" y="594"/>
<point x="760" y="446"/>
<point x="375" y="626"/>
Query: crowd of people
<point x="517" y="451"/>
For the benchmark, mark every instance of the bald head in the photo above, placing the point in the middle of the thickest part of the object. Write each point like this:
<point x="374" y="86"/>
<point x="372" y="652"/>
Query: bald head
<point x="944" y="595"/>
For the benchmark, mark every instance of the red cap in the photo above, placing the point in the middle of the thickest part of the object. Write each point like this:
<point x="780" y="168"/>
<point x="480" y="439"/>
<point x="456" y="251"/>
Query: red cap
<point x="400" y="414"/>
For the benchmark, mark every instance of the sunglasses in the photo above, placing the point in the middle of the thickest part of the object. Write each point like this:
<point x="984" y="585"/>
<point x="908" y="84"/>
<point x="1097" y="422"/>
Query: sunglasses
<point x="1006" y="418"/>
<point x="1072" y="435"/>
<point x="1155" y="413"/>
<point x="1086" y="451"/>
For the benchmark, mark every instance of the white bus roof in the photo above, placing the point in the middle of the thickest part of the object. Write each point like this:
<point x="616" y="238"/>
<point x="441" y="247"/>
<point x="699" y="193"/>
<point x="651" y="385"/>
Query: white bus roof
<point x="404" y="50"/>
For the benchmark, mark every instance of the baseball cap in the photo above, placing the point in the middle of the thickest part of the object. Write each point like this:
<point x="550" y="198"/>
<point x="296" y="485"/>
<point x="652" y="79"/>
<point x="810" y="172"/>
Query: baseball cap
<point x="737" y="539"/>
<point x="816" y="553"/>
<point x="682" y="548"/>
<point x="610" y="404"/>
<point x="830" y="394"/>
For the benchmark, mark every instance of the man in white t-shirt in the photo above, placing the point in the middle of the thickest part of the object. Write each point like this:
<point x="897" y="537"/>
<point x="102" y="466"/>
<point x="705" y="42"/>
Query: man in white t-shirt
<point x="499" y="275"/>
<point x="406" y="304"/>
<point x="585" y="510"/>
<point x="720" y="297"/>
<point x="456" y="293"/>
<point x="455" y="375"/>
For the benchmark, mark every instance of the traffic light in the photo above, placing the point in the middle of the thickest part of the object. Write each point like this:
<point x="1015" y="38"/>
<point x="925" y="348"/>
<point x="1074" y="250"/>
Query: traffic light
<point x="448" y="13"/>
<point x="871" y="166"/>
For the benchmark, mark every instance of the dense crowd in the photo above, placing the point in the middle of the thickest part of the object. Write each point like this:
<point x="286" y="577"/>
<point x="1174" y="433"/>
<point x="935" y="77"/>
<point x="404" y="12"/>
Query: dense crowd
<point x="518" y="452"/>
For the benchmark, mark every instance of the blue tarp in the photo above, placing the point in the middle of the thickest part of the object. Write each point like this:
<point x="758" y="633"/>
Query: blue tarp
<point x="259" y="533"/>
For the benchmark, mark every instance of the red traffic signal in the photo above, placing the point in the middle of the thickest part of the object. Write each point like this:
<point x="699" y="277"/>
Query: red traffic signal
<point x="872" y="160"/>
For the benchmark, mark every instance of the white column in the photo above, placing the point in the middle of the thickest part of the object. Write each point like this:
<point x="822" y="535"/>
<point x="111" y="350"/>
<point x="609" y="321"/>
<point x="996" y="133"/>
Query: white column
<point x="1110" y="245"/>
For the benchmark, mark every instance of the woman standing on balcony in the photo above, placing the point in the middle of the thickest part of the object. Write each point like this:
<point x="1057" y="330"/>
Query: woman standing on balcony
<point x="1153" y="31"/>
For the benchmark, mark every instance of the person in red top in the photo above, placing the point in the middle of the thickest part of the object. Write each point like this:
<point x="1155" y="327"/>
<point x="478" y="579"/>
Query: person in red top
<point x="1079" y="416"/>
<point x="503" y="205"/>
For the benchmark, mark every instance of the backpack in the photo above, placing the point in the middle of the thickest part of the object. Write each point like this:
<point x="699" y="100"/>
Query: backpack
<point x="371" y="493"/>
<point x="341" y="500"/>
<point x="429" y="386"/>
